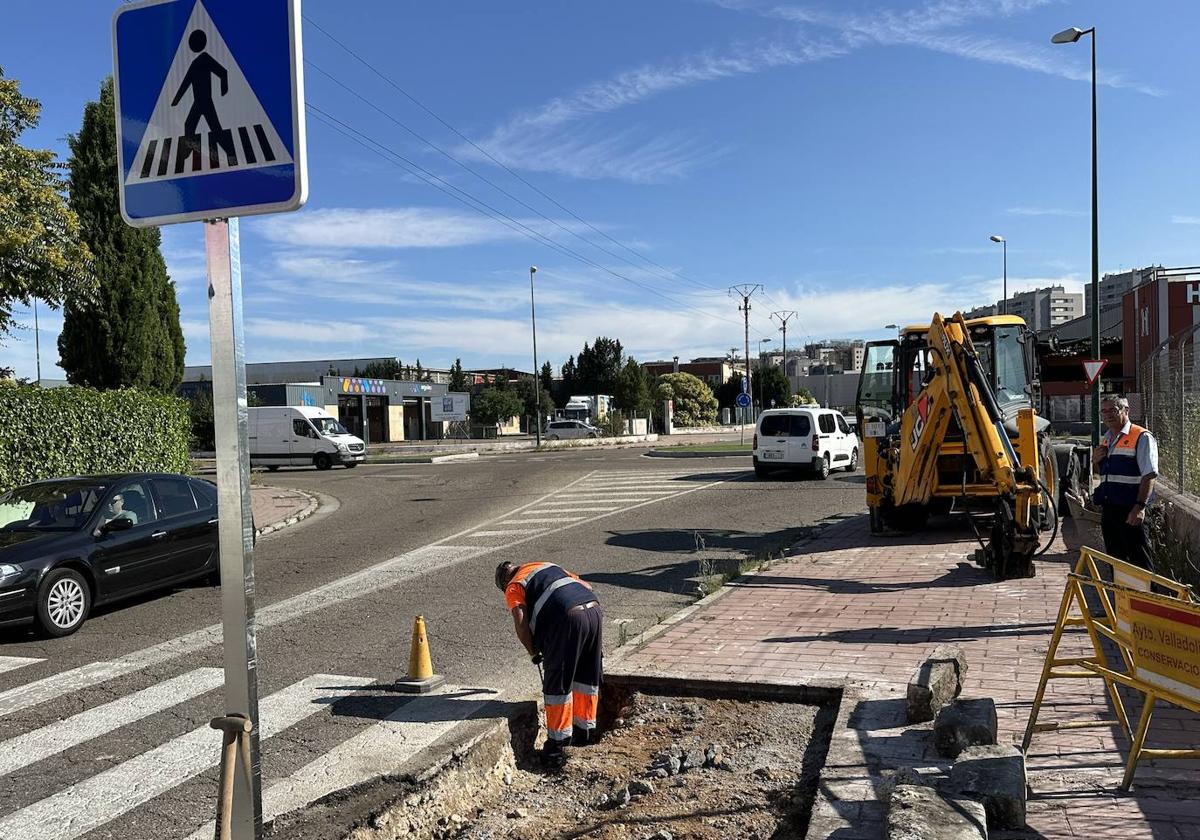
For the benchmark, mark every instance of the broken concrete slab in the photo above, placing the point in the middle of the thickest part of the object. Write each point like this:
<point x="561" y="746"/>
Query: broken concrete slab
<point x="995" y="775"/>
<point x="964" y="723"/>
<point x="937" y="681"/>
<point x="921" y="813"/>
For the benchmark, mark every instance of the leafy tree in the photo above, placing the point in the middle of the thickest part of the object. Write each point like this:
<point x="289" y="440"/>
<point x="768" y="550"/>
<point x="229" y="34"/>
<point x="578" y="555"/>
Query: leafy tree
<point x="632" y="388"/>
<point x="570" y="378"/>
<point x="42" y="254"/>
<point x="527" y="389"/>
<point x="598" y="366"/>
<point x="695" y="404"/>
<point x="130" y="335"/>
<point x="800" y="398"/>
<point x="384" y="369"/>
<point x="458" y="379"/>
<point x="547" y="376"/>
<point x="774" y="385"/>
<point x="728" y="390"/>
<point x="494" y="405"/>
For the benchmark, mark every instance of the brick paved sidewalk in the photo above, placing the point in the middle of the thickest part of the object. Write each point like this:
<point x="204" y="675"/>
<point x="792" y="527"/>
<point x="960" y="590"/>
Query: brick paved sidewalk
<point x="274" y="506"/>
<point x="863" y="611"/>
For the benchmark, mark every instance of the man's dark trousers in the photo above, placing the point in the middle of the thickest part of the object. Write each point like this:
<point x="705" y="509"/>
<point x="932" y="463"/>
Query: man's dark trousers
<point x="1122" y="540"/>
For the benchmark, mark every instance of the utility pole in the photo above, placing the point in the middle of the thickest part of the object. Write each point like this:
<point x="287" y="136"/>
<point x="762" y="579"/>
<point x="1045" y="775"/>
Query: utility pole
<point x="783" y="318"/>
<point x="746" y="291"/>
<point x="37" y="342"/>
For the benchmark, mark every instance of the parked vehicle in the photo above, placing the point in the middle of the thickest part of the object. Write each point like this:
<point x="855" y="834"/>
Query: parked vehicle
<point x="591" y="408"/>
<point x="568" y="429"/>
<point x="814" y="439"/>
<point x="67" y="545"/>
<point x="299" y="435"/>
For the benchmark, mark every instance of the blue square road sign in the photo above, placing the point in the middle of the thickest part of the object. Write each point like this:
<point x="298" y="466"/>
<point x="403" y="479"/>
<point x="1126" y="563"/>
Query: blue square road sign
<point x="210" y="109"/>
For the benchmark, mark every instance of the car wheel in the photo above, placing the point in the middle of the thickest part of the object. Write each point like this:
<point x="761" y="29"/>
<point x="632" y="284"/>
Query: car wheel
<point x="593" y="435"/>
<point x="64" y="601"/>
<point x="853" y="465"/>
<point x="822" y="467"/>
<point x="273" y="467"/>
<point x="351" y="465"/>
<point x="760" y="470"/>
<point x="551" y="437"/>
<point x="322" y="461"/>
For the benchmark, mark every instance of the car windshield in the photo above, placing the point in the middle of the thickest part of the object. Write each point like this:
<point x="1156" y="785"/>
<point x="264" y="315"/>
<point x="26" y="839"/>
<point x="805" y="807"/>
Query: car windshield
<point x="328" y="426"/>
<point x="50" y="506"/>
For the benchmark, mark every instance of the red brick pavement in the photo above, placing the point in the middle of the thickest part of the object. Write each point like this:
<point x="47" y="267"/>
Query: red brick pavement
<point x="863" y="611"/>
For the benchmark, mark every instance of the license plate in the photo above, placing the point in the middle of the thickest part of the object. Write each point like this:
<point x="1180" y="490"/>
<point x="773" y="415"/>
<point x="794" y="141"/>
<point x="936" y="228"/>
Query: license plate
<point x="772" y="456"/>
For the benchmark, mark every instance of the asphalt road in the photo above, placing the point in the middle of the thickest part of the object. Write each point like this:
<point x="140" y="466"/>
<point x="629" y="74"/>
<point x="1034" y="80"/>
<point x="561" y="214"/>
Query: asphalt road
<point x="104" y="732"/>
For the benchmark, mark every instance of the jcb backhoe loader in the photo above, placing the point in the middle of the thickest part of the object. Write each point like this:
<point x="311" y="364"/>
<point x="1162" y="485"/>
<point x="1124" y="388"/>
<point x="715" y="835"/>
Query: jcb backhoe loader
<point x="947" y="418"/>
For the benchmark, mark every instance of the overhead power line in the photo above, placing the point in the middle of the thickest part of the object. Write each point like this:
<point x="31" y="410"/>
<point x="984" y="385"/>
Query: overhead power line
<point x="482" y="207"/>
<point x="400" y="89"/>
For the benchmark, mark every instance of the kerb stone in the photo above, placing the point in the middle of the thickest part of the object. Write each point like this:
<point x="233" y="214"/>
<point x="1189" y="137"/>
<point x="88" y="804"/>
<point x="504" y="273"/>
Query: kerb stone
<point x="921" y="813"/>
<point x="937" y="681"/>
<point x="964" y="723"/>
<point x="995" y="775"/>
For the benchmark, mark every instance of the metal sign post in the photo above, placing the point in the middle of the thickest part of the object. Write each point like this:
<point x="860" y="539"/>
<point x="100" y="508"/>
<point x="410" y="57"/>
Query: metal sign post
<point x="236" y="526"/>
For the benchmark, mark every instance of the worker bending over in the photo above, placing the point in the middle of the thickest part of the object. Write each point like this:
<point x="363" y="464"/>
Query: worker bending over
<point x="559" y="621"/>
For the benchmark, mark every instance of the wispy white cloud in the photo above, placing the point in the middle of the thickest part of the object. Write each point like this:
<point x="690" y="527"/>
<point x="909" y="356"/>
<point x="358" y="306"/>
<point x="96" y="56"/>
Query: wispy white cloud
<point x="1185" y="220"/>
<point x="398" y="227"/>
<point x="1043" y="211"/>
<point x="545" y="138"/>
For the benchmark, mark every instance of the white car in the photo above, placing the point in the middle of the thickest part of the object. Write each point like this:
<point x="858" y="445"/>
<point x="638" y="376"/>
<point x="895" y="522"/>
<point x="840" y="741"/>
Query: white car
<point x="568" y="429"/>
<point x="816" y="439"/>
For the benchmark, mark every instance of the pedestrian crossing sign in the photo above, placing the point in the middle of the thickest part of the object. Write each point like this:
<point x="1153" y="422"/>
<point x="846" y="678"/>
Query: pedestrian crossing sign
<point x="210" y="109"/>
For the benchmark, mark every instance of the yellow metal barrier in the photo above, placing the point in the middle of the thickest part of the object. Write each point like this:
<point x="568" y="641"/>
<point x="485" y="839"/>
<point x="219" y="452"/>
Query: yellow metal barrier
<point x="1153" y="623"/>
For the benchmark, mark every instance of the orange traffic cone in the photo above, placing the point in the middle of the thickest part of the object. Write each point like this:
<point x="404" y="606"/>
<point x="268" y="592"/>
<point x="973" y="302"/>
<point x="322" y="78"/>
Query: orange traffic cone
<point x="420" y="678"/>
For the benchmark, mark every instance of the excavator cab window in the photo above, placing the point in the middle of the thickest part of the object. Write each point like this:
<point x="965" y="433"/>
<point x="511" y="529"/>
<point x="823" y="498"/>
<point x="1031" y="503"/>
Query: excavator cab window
<point x="877" y="385"/>
<point x="1003" y="356"/>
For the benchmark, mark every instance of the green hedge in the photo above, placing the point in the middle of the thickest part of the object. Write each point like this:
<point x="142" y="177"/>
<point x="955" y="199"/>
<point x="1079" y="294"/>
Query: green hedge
<point x="46" y="433"/>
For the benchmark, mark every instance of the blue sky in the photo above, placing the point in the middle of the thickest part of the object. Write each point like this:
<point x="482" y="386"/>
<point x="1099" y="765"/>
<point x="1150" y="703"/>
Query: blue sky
<point x="852" y="156"/>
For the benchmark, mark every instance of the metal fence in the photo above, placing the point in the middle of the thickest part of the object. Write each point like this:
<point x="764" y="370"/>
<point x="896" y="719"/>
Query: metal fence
<point x="1170" y="392"/>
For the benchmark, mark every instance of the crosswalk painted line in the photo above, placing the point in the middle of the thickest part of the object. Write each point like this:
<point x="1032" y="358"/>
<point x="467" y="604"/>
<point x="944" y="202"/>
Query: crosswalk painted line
<point x="549" y="520"/>
<point x="572" y="509"/>
<point x="510" y="532"/>
<point x="12" y="663"/>
<point x="51" y="740"/>
<point x="102" y="798"/>
<point x="372" y="754"/>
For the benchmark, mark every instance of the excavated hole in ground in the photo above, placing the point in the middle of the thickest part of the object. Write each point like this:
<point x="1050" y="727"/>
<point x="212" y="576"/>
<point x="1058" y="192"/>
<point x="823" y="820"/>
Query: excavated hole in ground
<point x="752" y="774"/>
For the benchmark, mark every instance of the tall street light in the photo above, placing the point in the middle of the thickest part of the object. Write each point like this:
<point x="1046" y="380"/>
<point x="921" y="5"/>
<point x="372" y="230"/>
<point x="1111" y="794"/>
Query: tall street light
<point x="1004" y="243"/>
<point x="537" y="386"/>
<point x="761" y="342"/>
<point x="1070" y="36"/>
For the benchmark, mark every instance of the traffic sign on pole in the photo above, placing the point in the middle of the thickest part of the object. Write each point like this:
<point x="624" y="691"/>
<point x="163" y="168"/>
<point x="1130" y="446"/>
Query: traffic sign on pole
<point x="210" y="109"/>
<point x="1092" y="368"/>
<point x="210" y="126"/>
<point x="745" y="386"/>
<point x="742" y="400"/>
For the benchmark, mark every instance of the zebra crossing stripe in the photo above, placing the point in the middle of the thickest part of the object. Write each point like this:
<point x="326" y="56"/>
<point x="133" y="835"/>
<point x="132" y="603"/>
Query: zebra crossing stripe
<point x="12" y="663"/>
<point x="188" y="148"/>
<point x="374" y="753"/>
<point x="99" y="800"/>
<point x="39" y="744"/>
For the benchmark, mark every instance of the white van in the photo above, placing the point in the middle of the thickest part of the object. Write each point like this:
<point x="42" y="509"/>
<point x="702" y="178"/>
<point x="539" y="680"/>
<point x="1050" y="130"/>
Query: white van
<point x="298" y="435"/>
<point x="816" y="439"/>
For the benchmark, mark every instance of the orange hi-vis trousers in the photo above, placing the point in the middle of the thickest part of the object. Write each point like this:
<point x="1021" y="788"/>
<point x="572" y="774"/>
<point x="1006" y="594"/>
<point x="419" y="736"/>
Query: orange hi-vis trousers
<point x="572" y="651"/>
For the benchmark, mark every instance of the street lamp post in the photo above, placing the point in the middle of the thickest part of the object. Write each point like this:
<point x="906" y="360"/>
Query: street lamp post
<point x="1004" y="244"/>
<point x="761" y="342"/>
<point x="537" y="386"/>
<point x="1070" y="36"/>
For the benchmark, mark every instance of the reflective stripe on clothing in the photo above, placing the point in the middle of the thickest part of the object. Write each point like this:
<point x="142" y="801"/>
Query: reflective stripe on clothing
<point x="558" y="719"/>
<point x="556" y="699"/>
<point x="1121" y="471"/>
<point x="541" y="602"/>
<point x="583" y="688"/>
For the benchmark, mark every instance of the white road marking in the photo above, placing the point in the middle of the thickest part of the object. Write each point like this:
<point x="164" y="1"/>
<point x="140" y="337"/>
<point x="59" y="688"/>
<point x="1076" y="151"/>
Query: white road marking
<point x="374" y="753"/>
<point x="549" y="520"/>
<point x="509" y="533"/>
<point x="384" y="575"/>
<point x="545" y="509"/>
<point x="12" y="663"/>
<point x="38" y="744"/>
<point x="102" y="798"/>
<point x="608" y="497"/>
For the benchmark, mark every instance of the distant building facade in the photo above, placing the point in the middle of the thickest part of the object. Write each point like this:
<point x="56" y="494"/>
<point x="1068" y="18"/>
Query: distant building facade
<point x="1040" y="309"/>
<point x="1114" y="286"/>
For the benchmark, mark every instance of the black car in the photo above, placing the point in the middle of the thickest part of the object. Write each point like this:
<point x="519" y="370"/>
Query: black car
<point x="69" y="544"/>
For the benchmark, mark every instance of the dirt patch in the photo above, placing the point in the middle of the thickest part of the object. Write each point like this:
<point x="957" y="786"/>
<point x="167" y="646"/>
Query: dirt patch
<point x="673" y="767"/>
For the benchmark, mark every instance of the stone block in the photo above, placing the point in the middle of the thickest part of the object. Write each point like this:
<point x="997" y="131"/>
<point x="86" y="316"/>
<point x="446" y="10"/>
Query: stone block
<point x="995" y="775"/>
<point x="937" y="681"/>
<point x="921" y="813"/>
<point x="964" y="723"/>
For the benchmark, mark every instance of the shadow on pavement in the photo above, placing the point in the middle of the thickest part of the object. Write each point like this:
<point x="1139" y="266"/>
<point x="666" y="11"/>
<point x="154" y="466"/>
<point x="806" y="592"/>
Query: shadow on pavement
<point x="920" y="635"/>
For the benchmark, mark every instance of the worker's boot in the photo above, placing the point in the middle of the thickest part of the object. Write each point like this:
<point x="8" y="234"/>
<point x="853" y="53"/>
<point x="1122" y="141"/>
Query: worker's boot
<point x="583" y="737"/>
<point x="554" y="756"/>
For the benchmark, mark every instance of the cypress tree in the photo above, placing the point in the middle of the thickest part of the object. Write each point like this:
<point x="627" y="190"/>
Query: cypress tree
<point x="130" y="335"/>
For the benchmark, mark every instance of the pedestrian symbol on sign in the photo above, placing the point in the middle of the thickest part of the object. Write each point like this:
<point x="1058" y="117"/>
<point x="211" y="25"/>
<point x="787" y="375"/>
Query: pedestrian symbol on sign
<point x="238" y="135"/>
